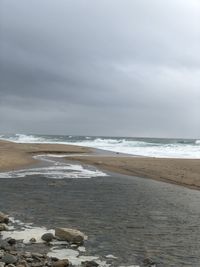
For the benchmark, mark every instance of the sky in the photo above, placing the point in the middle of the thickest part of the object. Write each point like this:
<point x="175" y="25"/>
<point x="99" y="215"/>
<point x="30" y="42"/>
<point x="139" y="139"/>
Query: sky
<point x="100" y="67"/>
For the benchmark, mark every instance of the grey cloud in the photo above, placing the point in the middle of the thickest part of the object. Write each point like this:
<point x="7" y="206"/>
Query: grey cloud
<point x="100" y="67"/>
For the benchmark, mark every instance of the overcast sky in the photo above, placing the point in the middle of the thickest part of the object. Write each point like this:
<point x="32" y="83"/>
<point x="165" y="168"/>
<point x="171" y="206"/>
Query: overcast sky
<point x="100" y="67"/>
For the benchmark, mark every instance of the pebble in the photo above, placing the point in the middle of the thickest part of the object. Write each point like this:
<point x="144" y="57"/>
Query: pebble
<point x="90" y="264"/>
<point x="3" y="227"/>
<point x="32" y="240"/>
<point x="9" y="259"/>
<point x="61" y="263"/>
<point x="12" y="241"/>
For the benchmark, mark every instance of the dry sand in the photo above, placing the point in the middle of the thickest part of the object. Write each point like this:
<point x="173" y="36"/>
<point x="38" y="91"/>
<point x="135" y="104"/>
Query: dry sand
<point x="180" y="171"/>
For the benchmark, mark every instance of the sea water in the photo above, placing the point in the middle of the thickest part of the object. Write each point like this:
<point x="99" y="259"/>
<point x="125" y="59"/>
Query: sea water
<point x="151" y="147"/>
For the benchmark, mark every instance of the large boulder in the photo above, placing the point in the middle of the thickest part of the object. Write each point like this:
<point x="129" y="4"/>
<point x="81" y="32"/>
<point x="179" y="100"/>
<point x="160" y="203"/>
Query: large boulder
<point x="70" y="235"/>
<point x="3" y="218"/>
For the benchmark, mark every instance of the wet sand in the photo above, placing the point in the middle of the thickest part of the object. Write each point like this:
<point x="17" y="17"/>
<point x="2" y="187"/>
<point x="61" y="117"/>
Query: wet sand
<point x="14" y="156"/>
<point x="184" y="172"/>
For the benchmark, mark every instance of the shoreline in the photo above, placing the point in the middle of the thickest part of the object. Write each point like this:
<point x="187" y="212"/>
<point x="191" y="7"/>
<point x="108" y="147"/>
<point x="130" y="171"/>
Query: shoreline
<point x="184" y="172"/>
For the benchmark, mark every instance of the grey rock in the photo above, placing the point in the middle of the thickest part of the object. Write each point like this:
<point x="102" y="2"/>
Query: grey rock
<point x="61" y="263"/>
<point x="11" y="241"/>
<point x="37" y="255"/>
<point x="32" y="240"/>
<point x="23" y="263"/>
<point x="4" y="218"/>
<point x="29" y="260"/>
<point x="3" y="227"/>
<point x="1" y="253"/>
<point x="27" y="254"/>
<point x="70" y="235"/>
<point x="37" y="264"/>
<point x="89" y="264"/>
<point x="2" y="264"/>
<point x="9" y="259"/>
<point x="48" y="237"/>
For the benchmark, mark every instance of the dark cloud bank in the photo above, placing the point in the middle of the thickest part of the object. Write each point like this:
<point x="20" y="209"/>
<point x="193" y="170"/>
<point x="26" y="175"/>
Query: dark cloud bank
<point x="109" y="67"/>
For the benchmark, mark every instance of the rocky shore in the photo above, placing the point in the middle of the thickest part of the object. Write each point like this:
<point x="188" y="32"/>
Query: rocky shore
<point x="61" y="247"/>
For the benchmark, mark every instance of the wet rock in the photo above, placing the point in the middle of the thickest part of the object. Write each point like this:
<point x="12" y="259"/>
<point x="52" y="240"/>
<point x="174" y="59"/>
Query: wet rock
<point x="1" y="253"/>
<point x="70" y="235"/>
<point x="23" y="263"/>
<point x="29" y="260"/>
<point x="149" y="263"/>
<point x="61" y="263"/>
<point x="32" y="240"/>
<point x="48" y="237"/>
<point x="27" y="254"/>
<point x="37" y="255"/>
<point x="89" y="264"/>
<point x="4" y="218"/>
<point x="11" y="241"/>
<point x="37" y="264"/>
<point x="9" y="259"/>
<point x="3" y="227"/>
<point x="4" y="245"/>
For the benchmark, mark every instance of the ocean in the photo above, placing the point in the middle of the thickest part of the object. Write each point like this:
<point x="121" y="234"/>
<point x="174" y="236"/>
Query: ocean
<point x="150" y="147"/>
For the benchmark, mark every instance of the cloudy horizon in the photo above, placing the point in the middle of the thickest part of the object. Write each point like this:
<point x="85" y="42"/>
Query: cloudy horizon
<point x="110" y="68"/>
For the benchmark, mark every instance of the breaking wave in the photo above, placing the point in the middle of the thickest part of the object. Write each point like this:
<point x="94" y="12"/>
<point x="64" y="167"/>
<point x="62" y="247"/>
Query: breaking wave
<point x="151" y="147"/>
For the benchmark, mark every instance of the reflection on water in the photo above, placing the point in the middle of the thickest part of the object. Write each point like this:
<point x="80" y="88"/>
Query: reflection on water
<point x="131" y="218"/>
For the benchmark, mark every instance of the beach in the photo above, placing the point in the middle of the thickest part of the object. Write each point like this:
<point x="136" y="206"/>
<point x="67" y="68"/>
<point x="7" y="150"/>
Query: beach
<point x="135" y="220"/>
<point x="128" y="213"/>
<point x="185" y="172"/>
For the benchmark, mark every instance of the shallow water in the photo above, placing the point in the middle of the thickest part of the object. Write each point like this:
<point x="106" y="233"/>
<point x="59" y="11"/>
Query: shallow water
<point x="129" y="217"/>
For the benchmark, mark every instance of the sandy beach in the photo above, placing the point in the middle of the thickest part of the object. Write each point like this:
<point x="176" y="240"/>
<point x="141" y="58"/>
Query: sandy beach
<point x="184" y="172"/>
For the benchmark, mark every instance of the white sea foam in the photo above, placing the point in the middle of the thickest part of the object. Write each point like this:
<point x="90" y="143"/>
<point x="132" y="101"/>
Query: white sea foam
<point x="55" y="172"/>
<point x="26" y="233"/>
<point x="144" y="147"/>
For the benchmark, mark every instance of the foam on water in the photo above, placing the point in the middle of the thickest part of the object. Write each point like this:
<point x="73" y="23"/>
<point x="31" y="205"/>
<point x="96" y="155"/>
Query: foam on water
<point x="164" y="148"/>
<point x="57" y="170"/>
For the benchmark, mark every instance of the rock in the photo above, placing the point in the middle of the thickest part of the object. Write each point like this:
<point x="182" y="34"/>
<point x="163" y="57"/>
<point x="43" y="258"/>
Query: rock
<point x="37" y="255"/>
<point x="70" y="235"/>
<point x="89" y="264"/>
<point x="11" y="241"/>
<point x="27" y="254"/>
<point x="10" y="265"/>
<point x="2" y="264"/>
<point x="32" y="240"/>
<point x="61" y="263"/>
<point x="4" y="218"/>
<point x="1" y="253"/>
<point x="9" y="259"/>
<point x="37" y="264"/>
<point x="149" y="263"/>
<point x="48" y="237"/>
<point x="22" y="263"/>
<point x="3" y="227"/>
